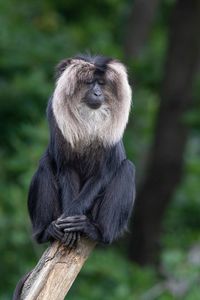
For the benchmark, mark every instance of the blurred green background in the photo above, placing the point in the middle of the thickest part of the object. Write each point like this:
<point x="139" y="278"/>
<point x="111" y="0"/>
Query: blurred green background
<point x="159" y="41"/>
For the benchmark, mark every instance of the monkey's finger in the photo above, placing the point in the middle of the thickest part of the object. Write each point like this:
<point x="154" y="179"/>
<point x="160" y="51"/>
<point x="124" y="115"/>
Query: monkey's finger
<point x="69" y="239"/>
<point x="58" y="233"/>
<point x="66" y="238"/>
<point x="62" y="217"/>
<point x="73" y="229"/>
<point x="56" y="236"/>
<point x="57" y="230"/>
<point x="69" y="225"/>
<point x="78" y="237"/>
<point x="71" y="219"/>
<point x="73" y="240"/>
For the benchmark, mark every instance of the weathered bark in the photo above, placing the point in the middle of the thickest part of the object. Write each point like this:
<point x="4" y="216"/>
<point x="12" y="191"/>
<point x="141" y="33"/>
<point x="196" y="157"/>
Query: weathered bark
<point x="139" y="26"/>
<point x="166" y="160"/>
<point x="56" y="271"/>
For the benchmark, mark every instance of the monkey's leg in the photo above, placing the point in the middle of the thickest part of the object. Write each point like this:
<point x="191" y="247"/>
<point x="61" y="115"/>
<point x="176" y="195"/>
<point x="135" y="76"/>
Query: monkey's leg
<point x="116" y="205"/>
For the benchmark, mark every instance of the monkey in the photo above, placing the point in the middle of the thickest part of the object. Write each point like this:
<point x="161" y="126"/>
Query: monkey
<point x="84" y="184"/>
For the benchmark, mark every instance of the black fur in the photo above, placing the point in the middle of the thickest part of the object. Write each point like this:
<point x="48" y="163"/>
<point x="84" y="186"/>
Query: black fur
<point x="99" y="61"/>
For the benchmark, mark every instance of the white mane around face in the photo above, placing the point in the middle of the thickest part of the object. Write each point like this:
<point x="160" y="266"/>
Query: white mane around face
<point x="81" y="125"/>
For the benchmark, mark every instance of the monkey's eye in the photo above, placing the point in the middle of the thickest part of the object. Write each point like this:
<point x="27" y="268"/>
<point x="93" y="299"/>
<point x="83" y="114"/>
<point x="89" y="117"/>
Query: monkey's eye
<point x="89" y="81"/>
<point x="101" y="81"/>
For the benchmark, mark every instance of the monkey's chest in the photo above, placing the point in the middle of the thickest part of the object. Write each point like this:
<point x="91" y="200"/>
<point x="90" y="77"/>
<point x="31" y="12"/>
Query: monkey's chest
<point x="86" y="168"/>
<point x="89" y="163"/>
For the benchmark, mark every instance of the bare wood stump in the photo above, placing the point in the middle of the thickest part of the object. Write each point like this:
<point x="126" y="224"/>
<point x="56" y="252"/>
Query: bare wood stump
<point x="56" y="271"/>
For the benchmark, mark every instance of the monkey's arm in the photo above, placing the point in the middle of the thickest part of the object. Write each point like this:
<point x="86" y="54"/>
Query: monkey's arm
<point x="82" y="201"/>
<point x="43" y="202"/>
<point x="113" y="210"/>
<point x="73" y="219"/>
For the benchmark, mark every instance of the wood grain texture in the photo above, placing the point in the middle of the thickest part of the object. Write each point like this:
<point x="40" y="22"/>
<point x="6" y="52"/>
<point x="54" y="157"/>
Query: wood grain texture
<point x="56" y="271"/>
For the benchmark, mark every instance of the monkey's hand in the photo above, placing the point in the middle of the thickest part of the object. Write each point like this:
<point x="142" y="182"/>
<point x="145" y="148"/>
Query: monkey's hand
<point x="54" y="231"/>
<point x="69" y="239"/>
<point x="80" y="224"/>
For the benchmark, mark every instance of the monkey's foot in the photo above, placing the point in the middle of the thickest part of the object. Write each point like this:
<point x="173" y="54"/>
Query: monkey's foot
<point x="71" y="239"/>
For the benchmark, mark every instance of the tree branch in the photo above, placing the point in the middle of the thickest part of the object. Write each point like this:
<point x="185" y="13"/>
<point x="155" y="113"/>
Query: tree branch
<point x="56" y="271"/>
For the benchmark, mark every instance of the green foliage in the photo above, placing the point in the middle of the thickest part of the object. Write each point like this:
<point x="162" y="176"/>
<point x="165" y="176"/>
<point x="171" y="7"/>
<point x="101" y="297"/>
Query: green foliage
<point x="18" y="253"/>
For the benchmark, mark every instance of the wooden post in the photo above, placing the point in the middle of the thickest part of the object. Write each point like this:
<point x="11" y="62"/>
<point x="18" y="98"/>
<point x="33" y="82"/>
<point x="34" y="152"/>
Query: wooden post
<point x="56" y="271"/>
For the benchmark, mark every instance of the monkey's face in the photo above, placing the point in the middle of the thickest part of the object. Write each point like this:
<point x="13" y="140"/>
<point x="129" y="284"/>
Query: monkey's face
<point x="92" y="87"/>
<point x="92" y="102"/>
<point x="94" y="96"/>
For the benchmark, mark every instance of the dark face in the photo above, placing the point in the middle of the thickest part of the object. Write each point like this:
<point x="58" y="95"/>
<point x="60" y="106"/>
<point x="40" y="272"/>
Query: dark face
<point x="94" y="96"/>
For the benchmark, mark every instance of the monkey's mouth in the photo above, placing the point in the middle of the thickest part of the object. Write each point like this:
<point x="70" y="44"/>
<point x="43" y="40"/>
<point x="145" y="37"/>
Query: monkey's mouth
<point x="91" y="103"/>
<point x="94" y="105"/>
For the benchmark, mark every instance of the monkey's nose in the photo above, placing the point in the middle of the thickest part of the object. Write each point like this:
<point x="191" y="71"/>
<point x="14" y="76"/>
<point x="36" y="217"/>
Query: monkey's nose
<point x="97" y="97"/>
<point x="97" y="93"/>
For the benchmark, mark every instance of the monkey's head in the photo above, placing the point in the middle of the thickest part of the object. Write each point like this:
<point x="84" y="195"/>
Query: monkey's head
<point x="92" y="100"/>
